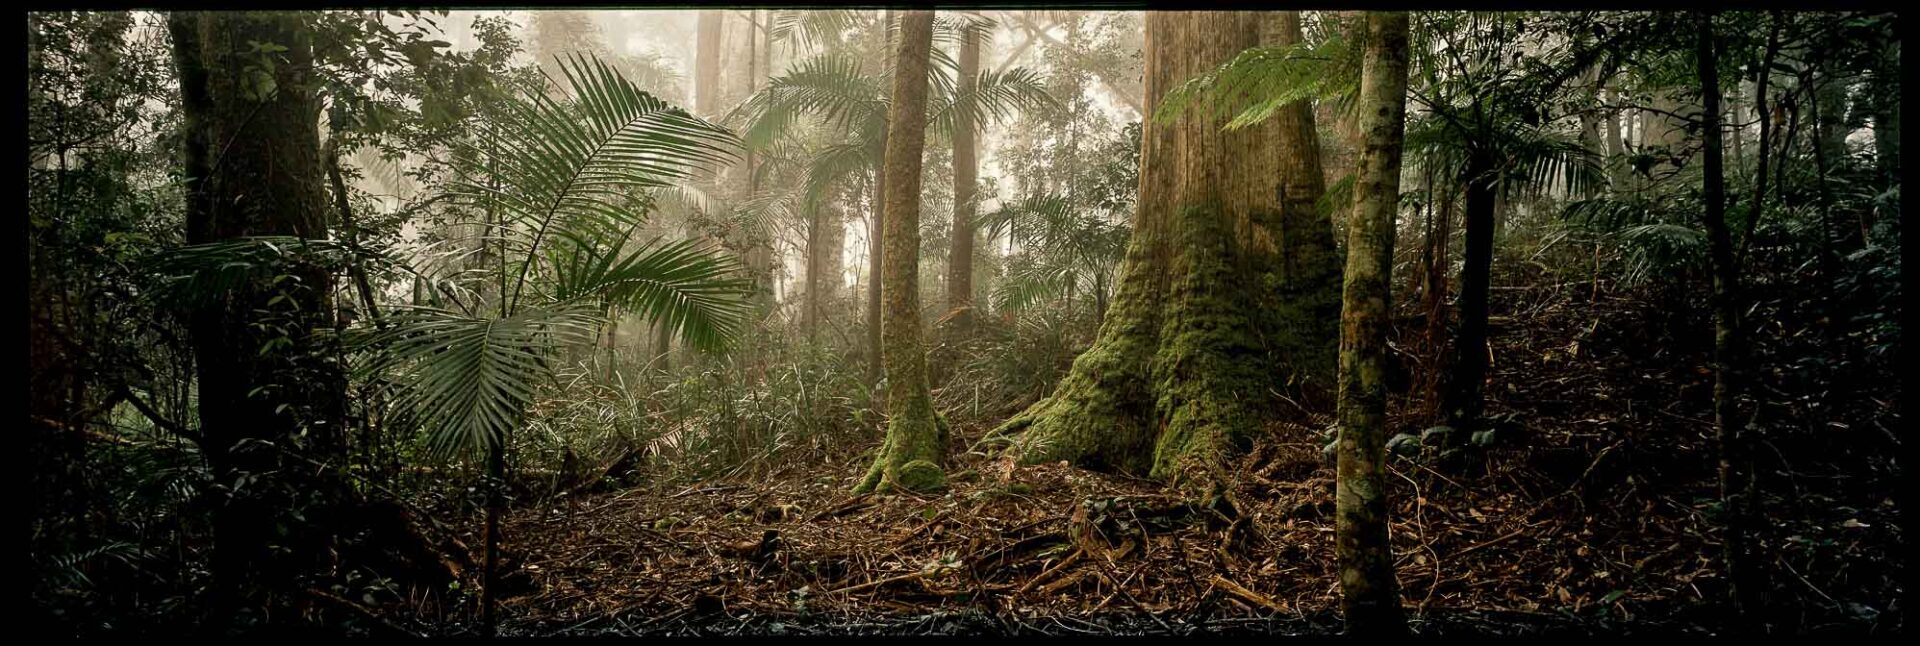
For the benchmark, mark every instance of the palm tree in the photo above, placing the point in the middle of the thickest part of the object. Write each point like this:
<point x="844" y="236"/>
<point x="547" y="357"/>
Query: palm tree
<point x="573" y="180"/>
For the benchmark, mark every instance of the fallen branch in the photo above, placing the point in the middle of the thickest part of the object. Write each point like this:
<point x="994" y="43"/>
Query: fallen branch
<point x="1244" y="594"/>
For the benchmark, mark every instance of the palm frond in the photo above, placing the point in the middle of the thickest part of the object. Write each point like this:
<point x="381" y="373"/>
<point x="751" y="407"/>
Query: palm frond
<point x="1259" y="81"/>
<point x="994" y="98"/>
<point x="559" y="166"/>
<point x="467" y="381"/>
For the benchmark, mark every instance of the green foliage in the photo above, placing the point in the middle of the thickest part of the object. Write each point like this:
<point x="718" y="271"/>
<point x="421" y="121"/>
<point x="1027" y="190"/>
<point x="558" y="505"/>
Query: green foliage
<point x="1259" y="81"/>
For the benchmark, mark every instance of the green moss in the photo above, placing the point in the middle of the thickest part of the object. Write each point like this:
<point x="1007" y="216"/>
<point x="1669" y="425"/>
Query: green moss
<point x="1180" y="376"/>
<point x="920" y="476"/>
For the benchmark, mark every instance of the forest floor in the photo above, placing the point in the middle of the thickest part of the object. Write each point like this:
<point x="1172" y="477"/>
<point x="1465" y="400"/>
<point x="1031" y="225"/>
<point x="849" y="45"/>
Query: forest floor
<point x="1595" y="516"/>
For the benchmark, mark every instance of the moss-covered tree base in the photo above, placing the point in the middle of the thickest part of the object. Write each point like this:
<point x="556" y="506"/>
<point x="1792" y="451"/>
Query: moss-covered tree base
<point x="910" y="459"/>
<point x="1178" y="379"/>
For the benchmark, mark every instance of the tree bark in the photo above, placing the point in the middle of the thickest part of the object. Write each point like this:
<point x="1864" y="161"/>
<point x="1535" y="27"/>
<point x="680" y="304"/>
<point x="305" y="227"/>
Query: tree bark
<point x="876" y="251"/>
<point x="1309" y="274"/>
<point x="1176" y="379"/>
<point x="253" y="161"/>
<point x="965" y="167"/>
<point x="1736" y="485"/>
<point x="1370" y="598"/>
<point x="916" y="444"/>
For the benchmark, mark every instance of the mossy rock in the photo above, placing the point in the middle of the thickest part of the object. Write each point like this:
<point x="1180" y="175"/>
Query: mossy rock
<point x="668" y="523"/>
<point x="920" y="476"/>
<point x="1020" y="489"/>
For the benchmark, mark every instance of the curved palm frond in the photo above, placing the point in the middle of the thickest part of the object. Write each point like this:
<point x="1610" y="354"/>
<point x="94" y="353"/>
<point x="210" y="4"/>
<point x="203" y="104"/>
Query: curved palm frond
<point x="685" y="285"/>
<point x="466" y="381"/>
<point x="811" y="28"/>
<point x="1259" y="81"/>
<point x="993" y="98"/>
<point x="577" y="165"/>
<point x="830" y="86"/>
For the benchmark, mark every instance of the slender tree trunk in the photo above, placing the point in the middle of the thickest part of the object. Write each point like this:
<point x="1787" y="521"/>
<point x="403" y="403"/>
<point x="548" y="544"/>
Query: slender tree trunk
<point x="1465" y="399"/>
<point x="875" y="250"/>
<point x="254" y="167"/>
<point x="1370" y="598"/>
<point x="1736" y="486"/>
<point x="960" y="258"/>
<point x="1175" y="381"/>
<point x="1616" y="145"/>
<point x="1757" y="204"/>
<point x="916" y="443"/>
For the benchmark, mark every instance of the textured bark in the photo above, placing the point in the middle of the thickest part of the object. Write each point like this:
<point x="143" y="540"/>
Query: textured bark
<point x="253" y="159"/>
<point x="1309" y="277"/>
<point x="1177" y="377"/>
<point x="1370" y="599"/>
<point x="916" y="444"/>
<point x="1736" y="486"/>
<point x="875" y="251"/>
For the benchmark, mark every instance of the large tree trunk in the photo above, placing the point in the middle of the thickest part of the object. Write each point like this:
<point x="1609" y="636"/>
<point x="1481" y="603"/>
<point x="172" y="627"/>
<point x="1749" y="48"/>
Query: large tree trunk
<point x="253" y="161"/>
<point x="1188" y="349"/>
<point x="1370" y="599"/>
<point x="916" y="443"/>
<point x="1736" y="486"/>
<point x="1309" y="272"/>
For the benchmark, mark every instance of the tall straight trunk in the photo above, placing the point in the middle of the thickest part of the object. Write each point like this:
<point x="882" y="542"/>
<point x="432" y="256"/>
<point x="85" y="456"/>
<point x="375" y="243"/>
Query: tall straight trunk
<point x="253" y="162"/>
<point x="758" y="254"/>
<point x="1736" y="485"/>
<point x="1309" y="273"/>
<point x="1370" y="598"/>
<point x="706" y="63"/>
<point x="875" y="224"/>
<point x="1465" y="399"/>
<point x="1179" y="375"/>
<point x="916" y="444"/>
<point x="965" y="167"/>
<point x="1616" y="145"/>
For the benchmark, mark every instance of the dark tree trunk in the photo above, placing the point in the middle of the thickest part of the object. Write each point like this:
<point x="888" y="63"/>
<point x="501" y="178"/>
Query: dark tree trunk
<point x="253" y="159"/>
<point x="1465" y="399"/>
<point x="1736" y="487"/>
